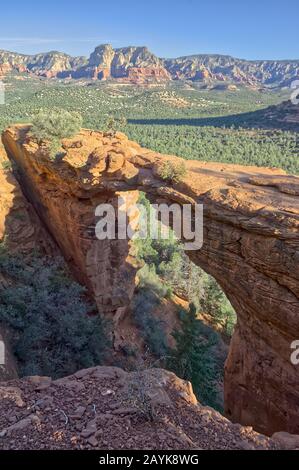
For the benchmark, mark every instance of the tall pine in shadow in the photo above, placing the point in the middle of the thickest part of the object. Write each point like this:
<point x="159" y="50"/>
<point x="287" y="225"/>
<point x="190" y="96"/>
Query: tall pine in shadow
<point x="193" y="359"/>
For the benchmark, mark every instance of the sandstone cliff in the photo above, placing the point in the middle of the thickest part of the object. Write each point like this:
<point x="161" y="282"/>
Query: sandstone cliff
<point x="138" y="65"/>
<point x="251" y="222"/>
<point x="227" y="68"/>
<point x="19" y="224"/>
<point x="134" y="64"/>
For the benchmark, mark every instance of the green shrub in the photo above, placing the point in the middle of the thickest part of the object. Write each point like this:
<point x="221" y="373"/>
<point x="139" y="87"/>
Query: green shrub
<point x="172" y="172"/>
<point x="113" y="124"/>
<point x="54" y="125"/>
<point x="53" y="331"/>
<point x="148" y="279"/>
<point x="215" y="303"/>
<point x="6" y="165"/>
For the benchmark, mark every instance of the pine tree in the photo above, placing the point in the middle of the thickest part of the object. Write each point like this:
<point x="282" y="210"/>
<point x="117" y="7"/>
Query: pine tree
<point x="192" y="358"/>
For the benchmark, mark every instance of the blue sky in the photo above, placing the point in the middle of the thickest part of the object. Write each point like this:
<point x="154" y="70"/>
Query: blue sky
<point x="252" y="29"/>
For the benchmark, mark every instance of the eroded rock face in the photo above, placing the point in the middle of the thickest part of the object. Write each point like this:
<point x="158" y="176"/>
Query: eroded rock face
<point x="251" y="239"/>
<point x="20" y="227"/>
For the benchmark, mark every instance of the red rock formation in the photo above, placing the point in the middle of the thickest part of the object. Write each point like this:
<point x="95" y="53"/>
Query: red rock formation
<point x="251" y="237"/>
<point x="19" y="224"/>
<point x="6" y="68"/>
<point x="203" y="74"/>
<point x="21" y="68"/>
<point x="119" y="61"/>
<point x="141" y="75"/>
<point x="102" y="73"/>
<point x="51" y="73"/>
<point x="93" y="73"/>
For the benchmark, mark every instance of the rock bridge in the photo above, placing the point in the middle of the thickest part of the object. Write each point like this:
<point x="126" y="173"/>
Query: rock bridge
<point x="251" y="247"/>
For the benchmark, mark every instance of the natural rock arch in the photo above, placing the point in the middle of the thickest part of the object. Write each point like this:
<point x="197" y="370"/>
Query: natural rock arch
<point x="251" y="243"/>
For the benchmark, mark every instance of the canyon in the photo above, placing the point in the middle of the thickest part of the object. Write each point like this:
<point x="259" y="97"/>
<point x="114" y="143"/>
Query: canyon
<point x="251" y="239"/>
<point x="140" y="66"/>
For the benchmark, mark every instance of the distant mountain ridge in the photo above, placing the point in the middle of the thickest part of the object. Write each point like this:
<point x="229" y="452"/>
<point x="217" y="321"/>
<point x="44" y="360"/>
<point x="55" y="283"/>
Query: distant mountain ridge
<point x="139" y="65"/>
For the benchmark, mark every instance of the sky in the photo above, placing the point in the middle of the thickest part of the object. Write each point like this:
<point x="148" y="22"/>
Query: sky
<point x="250" y="29"/>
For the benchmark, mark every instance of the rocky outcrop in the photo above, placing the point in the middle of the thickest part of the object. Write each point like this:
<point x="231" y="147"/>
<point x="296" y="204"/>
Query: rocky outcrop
<point x="251" y="239"/>
<point x="143" y="75"/>
<point x="130" y="64"/>
<point x="139" y="65"/>
<point x="108" y="408"/>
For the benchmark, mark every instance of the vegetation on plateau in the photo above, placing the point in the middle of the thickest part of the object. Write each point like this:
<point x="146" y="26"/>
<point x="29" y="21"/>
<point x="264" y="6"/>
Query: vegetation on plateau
<point x="53" y="125"/>
<point x="172" y="172"/>
<point x="193" y="123"/>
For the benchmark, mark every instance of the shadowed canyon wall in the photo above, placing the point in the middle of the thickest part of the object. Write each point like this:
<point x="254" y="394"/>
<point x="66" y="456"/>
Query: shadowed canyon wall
<point x="251" y="243"/>
<point x="21" y="231"/>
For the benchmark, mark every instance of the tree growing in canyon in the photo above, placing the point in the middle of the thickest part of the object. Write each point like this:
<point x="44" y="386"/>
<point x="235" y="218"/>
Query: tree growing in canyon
<point x="192" y="359"/>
